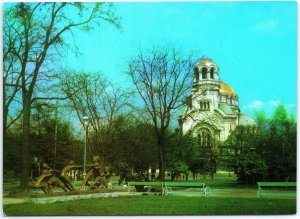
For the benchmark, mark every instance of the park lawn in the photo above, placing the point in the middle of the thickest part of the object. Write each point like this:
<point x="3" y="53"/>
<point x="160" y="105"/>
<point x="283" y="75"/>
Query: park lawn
<point x="157" y="205"/>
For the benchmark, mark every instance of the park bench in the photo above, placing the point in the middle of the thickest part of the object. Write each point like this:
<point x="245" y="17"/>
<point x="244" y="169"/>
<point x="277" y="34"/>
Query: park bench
<point x="133" y="185"/>
<point x="276" y="189"/>
<point x="171" y="188"/>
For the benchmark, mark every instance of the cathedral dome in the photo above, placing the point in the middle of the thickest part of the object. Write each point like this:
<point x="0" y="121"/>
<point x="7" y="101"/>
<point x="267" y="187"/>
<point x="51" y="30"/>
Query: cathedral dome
<point x="206" y="62"/>
<point x="206" y="70"/>
<point x="245" y="120"/>
<point x="227" y="90"/>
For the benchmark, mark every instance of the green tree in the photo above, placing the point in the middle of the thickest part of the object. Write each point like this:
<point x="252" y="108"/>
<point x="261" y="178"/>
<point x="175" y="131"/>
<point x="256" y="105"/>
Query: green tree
<point x="133" y="143"/>
<point x="11" y="153"/>
<point x="269" y="153"/>
<point x="52" y="139"/>
<point x="280" y="146"/>
<point x="250" y="168"/>
<point x="181" y="147"/>
<point x="178" y="168"/>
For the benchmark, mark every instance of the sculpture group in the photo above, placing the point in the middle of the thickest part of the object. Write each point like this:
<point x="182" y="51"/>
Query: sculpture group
<point x="60" y="178"/>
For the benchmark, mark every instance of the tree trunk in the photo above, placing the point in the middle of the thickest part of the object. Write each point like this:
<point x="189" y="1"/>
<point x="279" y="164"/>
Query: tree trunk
<point x="25" y="144"/>
<point x="161" y="144"/>
<point x="5" y="112"/>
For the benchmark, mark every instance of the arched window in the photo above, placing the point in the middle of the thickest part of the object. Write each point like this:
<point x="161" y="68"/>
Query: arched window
<point x="199" y="139"/>
<point x="204" y="73"/>
<point x="205" y="138"/>
<point x="208" y="139"/>
<point x="204" y="105"/>
<point x="212" y="71"/>
<point x="196" y="73"/>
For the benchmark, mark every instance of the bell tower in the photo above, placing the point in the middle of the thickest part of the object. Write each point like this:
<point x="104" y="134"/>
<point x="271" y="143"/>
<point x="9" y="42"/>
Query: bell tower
<point x="205" y="85"/>
<point x="212" y="111"/>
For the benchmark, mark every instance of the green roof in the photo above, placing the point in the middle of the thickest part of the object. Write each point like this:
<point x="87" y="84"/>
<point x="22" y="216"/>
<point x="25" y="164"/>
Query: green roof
<point x="225" y="108"/>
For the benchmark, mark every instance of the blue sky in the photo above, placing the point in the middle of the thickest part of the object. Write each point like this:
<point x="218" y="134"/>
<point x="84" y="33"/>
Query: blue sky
<point x="253" y="43"/>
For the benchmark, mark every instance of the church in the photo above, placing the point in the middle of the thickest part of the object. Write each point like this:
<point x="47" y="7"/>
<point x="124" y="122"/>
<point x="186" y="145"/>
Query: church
<point x="212" y="109"/>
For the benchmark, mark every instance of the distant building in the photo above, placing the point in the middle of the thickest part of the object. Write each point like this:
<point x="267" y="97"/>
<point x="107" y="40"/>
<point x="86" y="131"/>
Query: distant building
<point x="212" y="110"/>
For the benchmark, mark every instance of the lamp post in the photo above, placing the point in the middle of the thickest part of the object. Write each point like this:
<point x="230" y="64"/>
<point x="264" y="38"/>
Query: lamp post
<point x="86" y="122"/>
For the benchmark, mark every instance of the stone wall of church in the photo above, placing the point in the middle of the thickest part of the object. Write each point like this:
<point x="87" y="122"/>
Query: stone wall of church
<point x="205" y="111"/>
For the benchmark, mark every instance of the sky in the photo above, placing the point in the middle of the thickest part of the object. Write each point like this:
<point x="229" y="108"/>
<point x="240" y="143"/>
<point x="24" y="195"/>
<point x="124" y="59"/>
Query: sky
<point x="253" y="43"/>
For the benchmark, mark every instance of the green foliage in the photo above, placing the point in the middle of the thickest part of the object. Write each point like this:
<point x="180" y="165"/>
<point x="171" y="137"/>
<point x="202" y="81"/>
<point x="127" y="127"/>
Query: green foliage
<point x="280" y="114"/>
<point x="11" y="153"/>
<point x="182" y="148"/>
<point x="250" y="167"/>
<point x="49" y="132"/>
<point x="261" y="118"/>
<point x="281" y="142"/>
<point x="186" y="149"/>
<point x="179" y="167"/>
<point x="51" y="138"/>
<point x="132" y="142"/>
<point x="270" y="152"/>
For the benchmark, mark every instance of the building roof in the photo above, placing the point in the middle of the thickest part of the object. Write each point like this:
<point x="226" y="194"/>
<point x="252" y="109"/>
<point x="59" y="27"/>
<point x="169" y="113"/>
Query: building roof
<point x="246" y="120"/>
<point x="225" y="108"/>
<point x="227" y="90"/>
<point x="206" y="61"/>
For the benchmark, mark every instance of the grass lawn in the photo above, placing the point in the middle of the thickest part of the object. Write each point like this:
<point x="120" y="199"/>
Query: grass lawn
<point x="228" y="198"/>
<point x="157" y="205"/>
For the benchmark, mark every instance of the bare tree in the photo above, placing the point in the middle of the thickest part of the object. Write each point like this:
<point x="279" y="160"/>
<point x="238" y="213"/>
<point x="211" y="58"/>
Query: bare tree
<point x="42" y="27"/>
<point x="100" y="101"/>
<point x="11" y="76"/>
<point x="162" y="78"/>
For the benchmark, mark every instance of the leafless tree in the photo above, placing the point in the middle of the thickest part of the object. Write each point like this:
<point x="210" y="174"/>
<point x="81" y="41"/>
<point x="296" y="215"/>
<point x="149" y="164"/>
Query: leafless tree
<point x="100" y="101"/>
<point x="42" y="28"/>
<point x="162" y="78"/>
<point x="11" y="76"/>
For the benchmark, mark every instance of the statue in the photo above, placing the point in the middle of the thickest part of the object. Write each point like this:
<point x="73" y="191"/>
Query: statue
<point x="61" y="179"/>
<point x="51" y="180"/>
<point x="98" y="174"/>
<point x="102" y="177"/>
<point x="55" y="181"/>
<point x="64" y="176"/>
<point x="46" y="172"/>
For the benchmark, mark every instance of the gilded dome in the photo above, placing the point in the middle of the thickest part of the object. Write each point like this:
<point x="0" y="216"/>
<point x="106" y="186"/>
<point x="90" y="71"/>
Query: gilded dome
<point x="226" y="89"/>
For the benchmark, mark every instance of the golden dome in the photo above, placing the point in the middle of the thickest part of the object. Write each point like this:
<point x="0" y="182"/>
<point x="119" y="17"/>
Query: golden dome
<point x="226" y="89"/>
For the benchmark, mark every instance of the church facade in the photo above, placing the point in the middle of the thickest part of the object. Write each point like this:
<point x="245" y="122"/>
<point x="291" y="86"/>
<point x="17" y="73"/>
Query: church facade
<point x="212" y="109"/>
